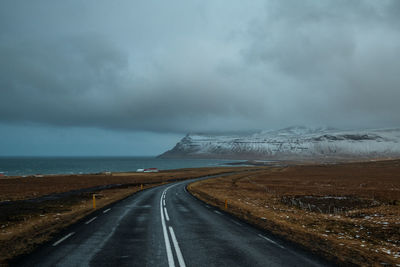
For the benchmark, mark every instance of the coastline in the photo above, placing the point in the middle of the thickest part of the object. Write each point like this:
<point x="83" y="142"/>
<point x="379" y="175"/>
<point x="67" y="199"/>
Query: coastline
<point x="29" y="166"/>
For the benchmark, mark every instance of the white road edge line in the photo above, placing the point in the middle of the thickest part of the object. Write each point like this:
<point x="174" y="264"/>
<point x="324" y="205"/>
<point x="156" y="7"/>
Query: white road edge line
<point x="164" y="202"/>
<point x="91" y="220"/>
<point x="235" y="222"/>
<point x="216" y="211"/>
<point x="177" y="249"/>
<point x="166" y="214"/>
<point x="62" y="239"/>
<point x="271" y="241"/>
<point x="107" y="210"/>
<point x="171" y="261"/>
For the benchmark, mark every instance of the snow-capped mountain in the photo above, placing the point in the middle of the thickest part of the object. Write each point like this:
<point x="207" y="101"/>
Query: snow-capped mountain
<point x="291" y="143"/>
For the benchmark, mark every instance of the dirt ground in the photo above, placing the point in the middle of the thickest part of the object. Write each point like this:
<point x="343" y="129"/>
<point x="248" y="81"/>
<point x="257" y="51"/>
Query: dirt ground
<point x="34" y="209"/>
<point x="348" y="213"/>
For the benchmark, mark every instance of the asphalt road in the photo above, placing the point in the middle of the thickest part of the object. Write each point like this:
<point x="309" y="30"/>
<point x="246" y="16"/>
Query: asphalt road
<point x="165" y="226"/>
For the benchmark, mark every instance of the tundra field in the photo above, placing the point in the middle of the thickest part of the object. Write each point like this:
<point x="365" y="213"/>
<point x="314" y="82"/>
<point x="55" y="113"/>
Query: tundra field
<point x="348" y="213"/>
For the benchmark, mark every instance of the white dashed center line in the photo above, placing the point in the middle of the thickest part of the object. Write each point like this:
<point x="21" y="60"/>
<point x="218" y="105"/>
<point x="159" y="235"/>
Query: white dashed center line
<point x="166" y="214"/>
<point x="171" y="262"/>
<point x="168" y="247"/>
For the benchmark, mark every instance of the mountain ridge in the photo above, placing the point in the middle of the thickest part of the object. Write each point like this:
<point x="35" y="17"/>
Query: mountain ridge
<point x="297" y="142"/>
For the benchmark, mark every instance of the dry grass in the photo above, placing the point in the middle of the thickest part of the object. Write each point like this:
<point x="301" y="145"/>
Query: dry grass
<point x="22" y="236"/>
<point x="24" y="225"/>
<point x="348" y="213"/>
<point x="15" y="188"/>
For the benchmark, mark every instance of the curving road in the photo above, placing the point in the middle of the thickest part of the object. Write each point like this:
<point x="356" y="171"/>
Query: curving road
<point x="165" y="226"/>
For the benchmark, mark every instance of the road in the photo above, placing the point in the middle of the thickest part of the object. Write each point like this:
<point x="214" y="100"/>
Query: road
<point x="165" y="226"/>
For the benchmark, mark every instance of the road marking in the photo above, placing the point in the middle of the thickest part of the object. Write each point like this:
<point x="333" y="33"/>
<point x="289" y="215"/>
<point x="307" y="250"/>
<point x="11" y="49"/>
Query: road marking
<point x="171" y="261"/>
<point x="166" y="214"/>
<point x="217" y="212"/>
<point x="107" y="210"/>
<point x="62" y="239"/>
<point x="269" y="240"/>
<point x="91" y="220"/>
<point x="164" y="202"/>
<point x="235" y="222"/>
<point x="177" y="249"/>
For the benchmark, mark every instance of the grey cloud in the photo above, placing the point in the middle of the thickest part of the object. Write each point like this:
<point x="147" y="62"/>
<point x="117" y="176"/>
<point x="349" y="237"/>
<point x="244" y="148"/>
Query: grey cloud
<point x="339" y="56"/>
<point x="200" y="66"/>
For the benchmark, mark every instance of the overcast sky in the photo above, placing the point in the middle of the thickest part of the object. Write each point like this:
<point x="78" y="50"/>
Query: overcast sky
<point x="99" y="77"/>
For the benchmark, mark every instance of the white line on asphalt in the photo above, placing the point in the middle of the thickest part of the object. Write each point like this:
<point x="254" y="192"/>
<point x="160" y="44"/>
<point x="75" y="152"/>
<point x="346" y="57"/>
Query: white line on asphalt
<point x="235" y="222"/>
<point x="166" y="214"/>
<point x="107" y="210"/>
<point x="216" y="211"/>
<point x="269" y="240"/>
<point x="164" y="202"/>
<point x="171" y="261"/>
<point x="62" y="239"/>
<point x="177" y="249"/>
<point x="91" y="220"/>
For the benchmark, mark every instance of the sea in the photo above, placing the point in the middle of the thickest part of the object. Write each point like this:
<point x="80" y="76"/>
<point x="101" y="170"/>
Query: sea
<point x="21" y="166"/>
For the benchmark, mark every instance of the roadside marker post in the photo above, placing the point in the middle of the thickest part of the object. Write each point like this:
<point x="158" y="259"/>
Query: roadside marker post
<point x="226" y="204"/>
<point x="94" y="201"/>
<point x="141" y="187"/>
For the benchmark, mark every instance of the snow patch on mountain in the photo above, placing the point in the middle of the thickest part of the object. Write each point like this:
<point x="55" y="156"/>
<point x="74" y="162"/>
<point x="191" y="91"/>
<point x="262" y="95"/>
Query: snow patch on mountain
<point x="292" y="142"/>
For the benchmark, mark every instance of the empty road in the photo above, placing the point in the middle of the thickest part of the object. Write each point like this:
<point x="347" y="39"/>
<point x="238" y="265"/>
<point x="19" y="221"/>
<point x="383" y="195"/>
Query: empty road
<point x="165" y="226"/>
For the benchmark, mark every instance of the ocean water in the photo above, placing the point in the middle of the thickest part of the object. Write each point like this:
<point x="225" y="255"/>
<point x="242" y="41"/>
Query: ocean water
<point x="76" y="165"/>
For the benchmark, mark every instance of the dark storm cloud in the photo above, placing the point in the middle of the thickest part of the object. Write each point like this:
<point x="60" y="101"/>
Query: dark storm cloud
<point x="338" y="59"/>
<point x="200" y="66"/>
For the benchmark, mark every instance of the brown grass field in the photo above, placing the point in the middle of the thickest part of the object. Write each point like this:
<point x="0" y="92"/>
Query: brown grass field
<point x="348" y="213"/>
<point x="26" y="224"/>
